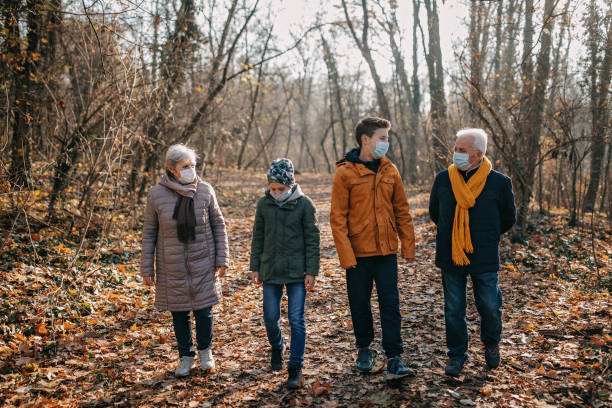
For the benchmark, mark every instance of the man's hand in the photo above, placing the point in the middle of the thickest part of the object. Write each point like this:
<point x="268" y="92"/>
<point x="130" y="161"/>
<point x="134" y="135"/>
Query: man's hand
<point x="255" y="277"/>
<point x="309" y="282"/>
<point x="221" y="270"/>
<point x="351" y="267"/>
<point x="147" y="280"/>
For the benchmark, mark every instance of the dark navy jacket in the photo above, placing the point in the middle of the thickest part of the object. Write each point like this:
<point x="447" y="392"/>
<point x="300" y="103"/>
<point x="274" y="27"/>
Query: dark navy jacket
<point x="493" y="214"/>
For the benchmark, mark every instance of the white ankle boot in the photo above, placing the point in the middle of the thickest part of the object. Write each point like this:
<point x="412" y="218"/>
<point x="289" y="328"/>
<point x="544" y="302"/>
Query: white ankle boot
<point x="184" y="367"/>
<point x="207" y="362"/>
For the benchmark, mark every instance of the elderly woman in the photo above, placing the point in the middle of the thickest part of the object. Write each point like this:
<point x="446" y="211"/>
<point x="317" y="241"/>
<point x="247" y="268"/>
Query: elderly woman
<point x="184" y="250"/>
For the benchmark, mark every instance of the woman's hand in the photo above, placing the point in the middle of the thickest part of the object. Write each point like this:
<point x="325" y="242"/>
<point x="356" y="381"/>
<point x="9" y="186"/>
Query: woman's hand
<point x="221" y="270"/>
<point x="147" y="280"/>
<point x="254" y="277"/>
<point x="309" y="282"/>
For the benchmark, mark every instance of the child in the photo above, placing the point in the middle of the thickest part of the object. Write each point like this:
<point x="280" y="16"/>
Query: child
<point x="369" y="210"/>
<point x="285" y="253"/>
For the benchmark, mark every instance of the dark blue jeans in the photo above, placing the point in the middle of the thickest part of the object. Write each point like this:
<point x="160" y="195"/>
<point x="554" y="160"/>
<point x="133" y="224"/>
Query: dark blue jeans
<point x="359" y="282"/>
<point x="488" y="299"/>
<point x="182" y="330"/>
<point x="296" y="296"/>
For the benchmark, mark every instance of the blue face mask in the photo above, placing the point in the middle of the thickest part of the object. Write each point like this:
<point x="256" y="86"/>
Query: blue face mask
<point x="381" y="150"/>
<point x="461" y="161"/>
<point x="282" y="196"/>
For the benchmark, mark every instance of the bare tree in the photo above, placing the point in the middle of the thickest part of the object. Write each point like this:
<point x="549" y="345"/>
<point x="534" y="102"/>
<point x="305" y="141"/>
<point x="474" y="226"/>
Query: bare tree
<point x="599" y="83"/>
<point x="24" y="74"/>
<point x="438" y="115"/>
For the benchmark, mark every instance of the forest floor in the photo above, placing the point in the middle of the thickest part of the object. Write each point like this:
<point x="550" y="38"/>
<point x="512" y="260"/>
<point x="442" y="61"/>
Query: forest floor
<point x="78" y="328"/>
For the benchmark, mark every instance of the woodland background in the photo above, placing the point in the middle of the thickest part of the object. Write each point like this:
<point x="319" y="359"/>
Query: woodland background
<point x="93" y="93"/>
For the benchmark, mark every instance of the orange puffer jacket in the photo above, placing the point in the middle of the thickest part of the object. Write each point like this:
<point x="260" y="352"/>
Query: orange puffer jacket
<point x="368" y="212"/>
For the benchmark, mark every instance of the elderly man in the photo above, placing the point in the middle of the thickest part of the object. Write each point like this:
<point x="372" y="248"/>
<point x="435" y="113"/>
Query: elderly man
<point x="471" y="205"/>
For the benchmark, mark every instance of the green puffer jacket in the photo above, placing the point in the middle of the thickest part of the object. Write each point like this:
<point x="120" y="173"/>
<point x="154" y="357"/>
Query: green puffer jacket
<point x="285" y="245"/>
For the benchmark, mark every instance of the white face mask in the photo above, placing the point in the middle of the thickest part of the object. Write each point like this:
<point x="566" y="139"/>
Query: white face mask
<point x="461" y="160"/>
<point x="188" y="175"/>
<point x="380" y="150"/>
<point x="282" y="196"/>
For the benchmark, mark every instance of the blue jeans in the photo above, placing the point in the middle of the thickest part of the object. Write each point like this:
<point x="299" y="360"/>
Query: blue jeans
<point x="182" y="330"/>
<point x="359" y="282"/>
<point x="488" y="299"/>
<point x="296" y="295"/>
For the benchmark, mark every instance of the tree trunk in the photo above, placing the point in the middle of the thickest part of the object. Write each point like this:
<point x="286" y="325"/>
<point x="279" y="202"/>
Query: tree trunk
<point x="334" y="78"/>
<point x="174" y="64"/>
<point x="253" y="103"/>
<point x="405" y="94"/>
<point x="599" y="109"/>
<point x="534" y="94"/>
<point x="24" y="76"/>
<point x="433" y="57"/>
<point x="362" y="44"/>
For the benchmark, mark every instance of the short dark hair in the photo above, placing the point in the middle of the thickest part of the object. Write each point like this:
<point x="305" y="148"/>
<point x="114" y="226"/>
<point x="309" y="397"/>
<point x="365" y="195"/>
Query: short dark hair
<point x="369" y="125"/>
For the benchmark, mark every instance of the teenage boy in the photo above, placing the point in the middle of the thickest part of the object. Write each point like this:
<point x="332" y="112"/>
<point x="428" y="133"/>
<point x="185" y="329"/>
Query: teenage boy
<point x="369" y="210"/>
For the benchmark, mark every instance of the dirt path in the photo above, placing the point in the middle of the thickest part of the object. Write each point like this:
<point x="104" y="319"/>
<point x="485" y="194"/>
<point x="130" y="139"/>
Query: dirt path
<point x="125" y="355"/>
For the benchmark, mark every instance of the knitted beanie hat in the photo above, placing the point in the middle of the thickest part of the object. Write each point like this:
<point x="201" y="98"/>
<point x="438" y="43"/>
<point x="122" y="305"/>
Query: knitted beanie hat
<point x="281" y="171"/>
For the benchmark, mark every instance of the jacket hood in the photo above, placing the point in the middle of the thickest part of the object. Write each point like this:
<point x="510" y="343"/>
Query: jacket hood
<point x="353" y="155"/>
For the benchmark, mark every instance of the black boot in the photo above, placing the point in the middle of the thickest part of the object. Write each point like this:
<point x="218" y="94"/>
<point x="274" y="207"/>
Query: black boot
<point x="295" y="380"/>
<point x="276" y="358"/>
<point x="454" y="367"/>
<point x="492" y="356"/>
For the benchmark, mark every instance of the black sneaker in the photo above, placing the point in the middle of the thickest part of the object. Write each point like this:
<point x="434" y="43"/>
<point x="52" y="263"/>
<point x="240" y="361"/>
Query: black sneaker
<point x="276" y="358"/>
<point x="295" y="380"/>
<point x="365" y="360"/>
<point x="396" y="367"/>
<point x="492" y="356"/>
<point x="454" y="367"/>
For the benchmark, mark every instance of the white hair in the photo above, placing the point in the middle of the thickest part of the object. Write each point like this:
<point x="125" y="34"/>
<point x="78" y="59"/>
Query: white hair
<point x="479" y="135"/>
<point x="178" y="152"/>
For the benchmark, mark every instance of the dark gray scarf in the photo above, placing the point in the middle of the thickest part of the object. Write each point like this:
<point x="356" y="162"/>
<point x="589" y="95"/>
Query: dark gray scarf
<point x="184" y="214"/>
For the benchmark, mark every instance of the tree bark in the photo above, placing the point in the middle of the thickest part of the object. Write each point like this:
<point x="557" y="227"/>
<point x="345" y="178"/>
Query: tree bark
<point x="24" y="77"/>
<point x="438" y="112"/>
<point x="599" y="89"/>
<point x="533" y="100"/>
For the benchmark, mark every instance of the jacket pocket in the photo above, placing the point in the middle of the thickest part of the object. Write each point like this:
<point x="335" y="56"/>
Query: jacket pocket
<point x="357" y="229"/>
<point x="386" y="187"/>
<point x="362" y="239"/>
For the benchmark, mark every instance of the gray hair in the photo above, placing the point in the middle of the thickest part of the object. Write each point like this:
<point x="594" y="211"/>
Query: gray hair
<point x="178" y="152"/>
<point x="479" y="135"/>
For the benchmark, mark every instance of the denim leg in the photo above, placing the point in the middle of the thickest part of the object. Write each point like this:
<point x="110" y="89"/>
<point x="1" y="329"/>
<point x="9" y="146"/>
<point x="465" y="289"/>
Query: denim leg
<point x="385" y="276"/>
<point x="296" y="294"/>
<point x="204" y="327"/>
<point x="488" y="300"/>
<point x="181" y="321"/>
<point x="359" y="283"/>
<point x="454" y="313"/>
<point x="271" y="307"/>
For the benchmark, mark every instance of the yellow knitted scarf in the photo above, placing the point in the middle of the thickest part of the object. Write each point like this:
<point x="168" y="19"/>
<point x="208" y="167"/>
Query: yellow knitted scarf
<point x="466" y="195"/>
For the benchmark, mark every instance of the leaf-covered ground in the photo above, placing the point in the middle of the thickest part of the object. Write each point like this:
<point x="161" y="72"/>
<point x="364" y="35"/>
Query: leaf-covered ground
<point x="77" y="328"/>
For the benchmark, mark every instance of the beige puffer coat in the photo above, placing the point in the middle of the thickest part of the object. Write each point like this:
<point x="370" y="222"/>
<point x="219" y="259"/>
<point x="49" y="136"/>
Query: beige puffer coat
<point x="184" y="273"/>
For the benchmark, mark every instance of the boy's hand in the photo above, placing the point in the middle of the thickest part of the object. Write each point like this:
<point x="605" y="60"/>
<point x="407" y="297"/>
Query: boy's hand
<point x="309" y="282"/>
<point x="255" y="277"/>
<point x="221" y="271"/>
<point x="147" y="280"/>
